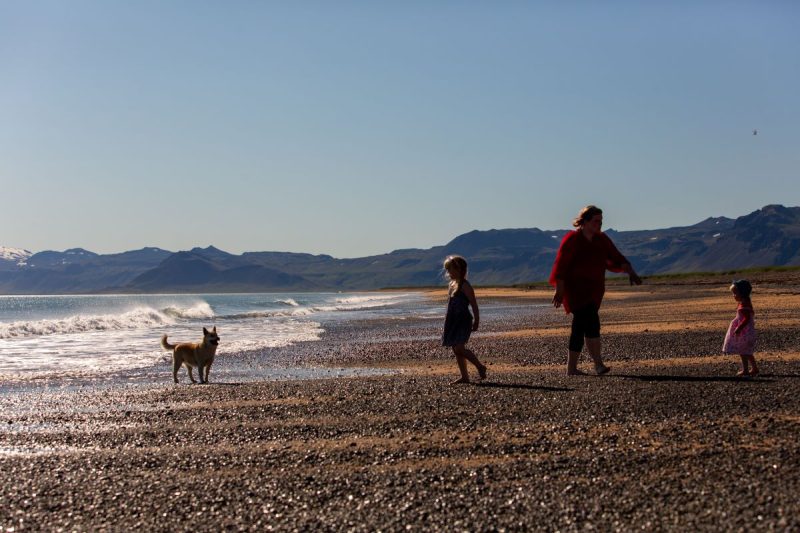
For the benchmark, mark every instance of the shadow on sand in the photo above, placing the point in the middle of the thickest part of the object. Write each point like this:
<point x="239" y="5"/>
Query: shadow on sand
<point x="521" y="386"/>
<point x="662" y="377"/>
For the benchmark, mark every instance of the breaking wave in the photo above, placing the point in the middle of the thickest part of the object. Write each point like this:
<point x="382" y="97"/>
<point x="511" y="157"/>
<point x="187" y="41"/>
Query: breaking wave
<point x="138" y="318"/>
<point x="198" y="311"/>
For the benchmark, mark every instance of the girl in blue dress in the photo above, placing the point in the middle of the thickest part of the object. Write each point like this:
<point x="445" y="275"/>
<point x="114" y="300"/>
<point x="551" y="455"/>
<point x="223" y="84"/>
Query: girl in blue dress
<point x="459" y="323"/>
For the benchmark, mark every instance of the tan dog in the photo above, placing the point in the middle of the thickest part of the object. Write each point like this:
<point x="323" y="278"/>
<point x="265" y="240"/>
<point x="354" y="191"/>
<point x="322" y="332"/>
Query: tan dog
<point x="193" y="354"/>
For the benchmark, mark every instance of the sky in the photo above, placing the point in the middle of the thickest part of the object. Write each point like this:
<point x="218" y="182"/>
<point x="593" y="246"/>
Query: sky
<point x="354" y="128"/>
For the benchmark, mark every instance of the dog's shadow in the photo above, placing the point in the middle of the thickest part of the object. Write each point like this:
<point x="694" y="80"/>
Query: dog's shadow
<point x="523" y="386"/>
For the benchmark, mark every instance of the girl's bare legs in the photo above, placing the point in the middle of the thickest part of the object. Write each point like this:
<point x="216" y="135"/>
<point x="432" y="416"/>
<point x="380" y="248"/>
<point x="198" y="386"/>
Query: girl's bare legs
<point x="749" y="367"/>
<point x="595" y="347"/>
<point x="753" y="366"/>
<point x="745" y="371"/>
<point x="462" y="356"/>
<point x="472" y="358"/>
<point x="462" y="364"/>
<point x="572" y="364"/>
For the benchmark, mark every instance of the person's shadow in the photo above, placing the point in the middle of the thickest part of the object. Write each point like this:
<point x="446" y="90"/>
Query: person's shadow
<point x="214" y="383"/>
<point x="666" y="377"/>
<point x="523" y="386"/>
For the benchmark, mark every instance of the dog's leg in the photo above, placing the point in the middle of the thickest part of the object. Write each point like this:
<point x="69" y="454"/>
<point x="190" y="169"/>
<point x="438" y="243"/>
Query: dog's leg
<point x="208" y="369"/>
<point x="176" y="365"/>
<point x="191" y="376"/>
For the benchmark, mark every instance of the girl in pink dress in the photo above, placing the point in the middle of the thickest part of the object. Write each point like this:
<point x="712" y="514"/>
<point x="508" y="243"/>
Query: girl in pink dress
<point x="741" y="336"/>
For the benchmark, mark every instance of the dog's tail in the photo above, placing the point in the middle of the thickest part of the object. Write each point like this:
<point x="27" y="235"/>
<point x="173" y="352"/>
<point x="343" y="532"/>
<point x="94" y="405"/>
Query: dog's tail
<point x="165" y="344"/>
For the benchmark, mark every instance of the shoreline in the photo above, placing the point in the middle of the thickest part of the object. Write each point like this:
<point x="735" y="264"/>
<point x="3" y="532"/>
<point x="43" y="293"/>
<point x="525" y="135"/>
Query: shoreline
<point x="635" y="322"/>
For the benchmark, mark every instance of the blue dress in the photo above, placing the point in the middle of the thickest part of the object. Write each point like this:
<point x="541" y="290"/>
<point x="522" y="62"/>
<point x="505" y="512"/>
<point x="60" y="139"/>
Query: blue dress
<point x="458" y="321"/>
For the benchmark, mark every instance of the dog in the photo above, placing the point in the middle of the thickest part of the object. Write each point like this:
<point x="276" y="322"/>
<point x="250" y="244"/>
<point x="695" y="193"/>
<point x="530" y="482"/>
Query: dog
<point x="193" y="354"/>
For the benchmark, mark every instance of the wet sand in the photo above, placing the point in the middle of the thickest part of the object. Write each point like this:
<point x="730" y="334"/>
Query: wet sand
<point x="670" y="440"/>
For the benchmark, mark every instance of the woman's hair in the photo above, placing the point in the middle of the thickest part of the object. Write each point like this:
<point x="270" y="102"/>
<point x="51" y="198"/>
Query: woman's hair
<point x="458" y="263"/>
<point x="742" y="286"/>
<point x="586" y="214"/>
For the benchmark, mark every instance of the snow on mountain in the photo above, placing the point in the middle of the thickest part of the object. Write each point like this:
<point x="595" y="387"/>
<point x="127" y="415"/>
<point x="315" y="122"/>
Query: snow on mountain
<point x="17" y="255"/>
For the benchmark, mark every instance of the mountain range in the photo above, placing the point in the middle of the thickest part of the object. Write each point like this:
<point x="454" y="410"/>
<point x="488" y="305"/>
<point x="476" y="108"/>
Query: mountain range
<point x="769" y="236"/>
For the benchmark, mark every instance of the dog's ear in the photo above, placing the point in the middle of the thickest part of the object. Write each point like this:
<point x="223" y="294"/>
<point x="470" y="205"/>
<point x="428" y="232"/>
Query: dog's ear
<point x="205" y="331"/>
<point x="214" y="329"/>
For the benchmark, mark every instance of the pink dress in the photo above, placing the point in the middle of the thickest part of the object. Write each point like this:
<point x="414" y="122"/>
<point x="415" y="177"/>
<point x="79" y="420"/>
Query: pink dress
<point x="745" y="342"/>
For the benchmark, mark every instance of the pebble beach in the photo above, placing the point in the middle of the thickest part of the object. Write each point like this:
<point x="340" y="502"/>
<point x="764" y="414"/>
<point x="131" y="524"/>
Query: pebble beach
<point x="670" y="440"/>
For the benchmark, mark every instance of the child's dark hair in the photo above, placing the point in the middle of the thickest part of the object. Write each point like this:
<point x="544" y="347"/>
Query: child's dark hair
<point x="743" y="287"/>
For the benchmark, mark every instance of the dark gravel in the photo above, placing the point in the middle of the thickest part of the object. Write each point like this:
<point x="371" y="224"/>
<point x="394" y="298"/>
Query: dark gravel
<point x="653" y="446"/>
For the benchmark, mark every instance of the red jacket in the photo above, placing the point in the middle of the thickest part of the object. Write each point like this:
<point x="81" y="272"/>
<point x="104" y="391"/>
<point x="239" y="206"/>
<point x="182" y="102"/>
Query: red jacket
<point x="582" y="264"/>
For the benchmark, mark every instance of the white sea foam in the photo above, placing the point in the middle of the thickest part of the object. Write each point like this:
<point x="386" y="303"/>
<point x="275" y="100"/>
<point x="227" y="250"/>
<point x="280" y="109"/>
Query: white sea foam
<point x="370" y="298"/>
<point x="350" y="303"/>
<point x="274" y="335"/>
<point x="143" y="317"/>
<point x="299" y="312"/>
<point x="86" y="353"/>
<point x="198" y="311"/>
<point x="362" y="302"/>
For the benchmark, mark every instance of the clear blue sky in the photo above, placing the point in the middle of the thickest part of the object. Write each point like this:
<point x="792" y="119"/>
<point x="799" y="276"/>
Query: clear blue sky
<point x="356" y="128"/>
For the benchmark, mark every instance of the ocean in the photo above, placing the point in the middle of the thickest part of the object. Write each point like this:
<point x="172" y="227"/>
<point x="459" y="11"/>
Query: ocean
<point x="97" y="337"/>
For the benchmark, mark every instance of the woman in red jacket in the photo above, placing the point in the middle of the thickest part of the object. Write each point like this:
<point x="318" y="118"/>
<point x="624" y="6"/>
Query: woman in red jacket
<point x="579" y="275"/>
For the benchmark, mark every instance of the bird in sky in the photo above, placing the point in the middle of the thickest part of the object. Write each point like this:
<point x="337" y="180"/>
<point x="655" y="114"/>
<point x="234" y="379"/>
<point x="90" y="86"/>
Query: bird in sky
<point x="755" y="132"/>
